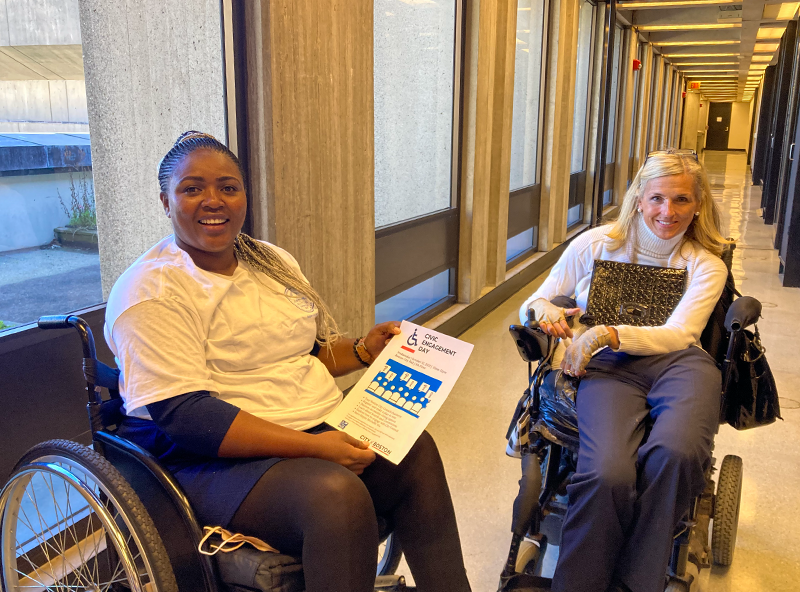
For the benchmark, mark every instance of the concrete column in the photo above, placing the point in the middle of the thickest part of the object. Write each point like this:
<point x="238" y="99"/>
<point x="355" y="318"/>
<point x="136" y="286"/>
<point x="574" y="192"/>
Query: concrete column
<point x="596" y="117"/>
<point x="558" y="120"/>
<point x="656" y="102"/>
<point x="486" y="146"/>
<point x="311" y="142"/>
<point x="153" y="70"/>
<point x="643" y="112"/>
<point x="624" y="146"/>
<point x="691" y="111"/>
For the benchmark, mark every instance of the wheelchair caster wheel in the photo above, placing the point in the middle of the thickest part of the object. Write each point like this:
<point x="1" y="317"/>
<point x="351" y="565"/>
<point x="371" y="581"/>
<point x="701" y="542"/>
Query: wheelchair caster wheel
<point x="726" y="510"/>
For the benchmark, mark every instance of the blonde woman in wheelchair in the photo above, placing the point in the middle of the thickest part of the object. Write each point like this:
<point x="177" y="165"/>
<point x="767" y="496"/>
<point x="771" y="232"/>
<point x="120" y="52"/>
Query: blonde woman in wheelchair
<point x="629" y="492"/>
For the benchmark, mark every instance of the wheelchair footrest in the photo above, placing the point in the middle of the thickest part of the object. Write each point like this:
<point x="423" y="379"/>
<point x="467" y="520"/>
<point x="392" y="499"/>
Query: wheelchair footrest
<point x="392" y="583"/>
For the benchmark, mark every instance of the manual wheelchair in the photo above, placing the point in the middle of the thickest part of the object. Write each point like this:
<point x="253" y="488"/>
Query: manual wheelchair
<point x="112" y="518"/>
<point x="545" y="425"/>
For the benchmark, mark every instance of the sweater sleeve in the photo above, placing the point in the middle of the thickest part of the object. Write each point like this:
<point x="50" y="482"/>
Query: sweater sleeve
<point x="686" y="324"/>
<point x="570" y="268"/>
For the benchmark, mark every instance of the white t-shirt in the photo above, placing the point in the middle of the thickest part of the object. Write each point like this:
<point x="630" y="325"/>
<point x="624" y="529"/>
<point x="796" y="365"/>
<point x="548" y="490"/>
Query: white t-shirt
<point x="175" y="328"/>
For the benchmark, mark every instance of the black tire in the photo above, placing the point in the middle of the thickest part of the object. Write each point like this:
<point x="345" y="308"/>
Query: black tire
<point x="726" y="510"/>
<point x="389" y="554"/>
<point x="111" y="525"/>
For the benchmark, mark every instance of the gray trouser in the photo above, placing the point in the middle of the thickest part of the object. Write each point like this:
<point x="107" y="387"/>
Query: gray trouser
<point x="626" y="497"/>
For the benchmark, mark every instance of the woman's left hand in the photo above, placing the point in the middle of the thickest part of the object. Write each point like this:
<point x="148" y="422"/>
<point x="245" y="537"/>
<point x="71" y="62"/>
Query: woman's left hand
<point x="578" y="354"/>
<point x="379" y="336"/>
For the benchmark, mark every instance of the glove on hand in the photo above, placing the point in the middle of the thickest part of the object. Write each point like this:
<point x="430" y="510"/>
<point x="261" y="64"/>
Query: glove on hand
<point x="552" y="318"/>
<point x="577" y="355"/>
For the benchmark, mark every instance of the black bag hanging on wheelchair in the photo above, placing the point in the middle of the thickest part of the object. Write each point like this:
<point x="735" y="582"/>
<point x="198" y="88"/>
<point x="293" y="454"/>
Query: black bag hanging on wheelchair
<point x="750" y="396"/>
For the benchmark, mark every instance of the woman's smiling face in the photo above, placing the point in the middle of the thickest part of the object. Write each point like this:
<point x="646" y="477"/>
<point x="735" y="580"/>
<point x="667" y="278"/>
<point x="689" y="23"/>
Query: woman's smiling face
<point x="206" y="203"/>
<point x="669" y="204"/>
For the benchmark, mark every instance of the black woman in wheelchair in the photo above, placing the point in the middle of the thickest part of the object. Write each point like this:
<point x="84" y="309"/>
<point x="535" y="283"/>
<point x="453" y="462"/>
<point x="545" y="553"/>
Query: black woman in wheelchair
<point x="228" y="358"/>
<point x="649" y="396"/>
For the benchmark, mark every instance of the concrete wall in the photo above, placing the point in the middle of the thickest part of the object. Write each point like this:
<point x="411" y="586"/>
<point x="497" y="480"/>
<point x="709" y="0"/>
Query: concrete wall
<point x="741" y="120"/>
<point x="43" y="106"/>
<point x="39" y="22"/>
<point x="691" y="113"/>
<point x="32" y="209"/>
<point x="147" y="81"/>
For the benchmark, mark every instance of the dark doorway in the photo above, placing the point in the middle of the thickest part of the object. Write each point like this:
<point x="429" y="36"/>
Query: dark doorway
<point x="719" y="125"/>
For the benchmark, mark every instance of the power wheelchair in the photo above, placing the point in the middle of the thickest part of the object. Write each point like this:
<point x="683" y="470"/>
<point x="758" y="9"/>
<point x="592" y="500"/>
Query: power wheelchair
<point x="112" y="518"/>
<point x="545" y="424"/>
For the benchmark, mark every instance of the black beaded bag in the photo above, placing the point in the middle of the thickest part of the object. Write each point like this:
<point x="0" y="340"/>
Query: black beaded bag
<point x="632" y="294"/>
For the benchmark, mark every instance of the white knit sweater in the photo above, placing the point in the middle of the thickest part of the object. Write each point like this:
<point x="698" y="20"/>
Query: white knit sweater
<point x="706" y="274"/>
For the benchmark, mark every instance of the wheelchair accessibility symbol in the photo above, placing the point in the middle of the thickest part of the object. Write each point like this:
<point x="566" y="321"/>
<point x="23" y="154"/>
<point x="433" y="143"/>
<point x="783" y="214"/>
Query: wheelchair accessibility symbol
<point x="413" y="339"/>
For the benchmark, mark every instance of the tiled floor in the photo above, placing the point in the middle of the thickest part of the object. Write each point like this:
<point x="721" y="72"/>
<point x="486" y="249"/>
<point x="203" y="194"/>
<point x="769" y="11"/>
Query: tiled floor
<point x="470" y="428"/>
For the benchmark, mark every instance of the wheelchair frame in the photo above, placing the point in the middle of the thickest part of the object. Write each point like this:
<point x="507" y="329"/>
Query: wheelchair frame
<point x="163" y="498"/>
<point x="540" y="505"/>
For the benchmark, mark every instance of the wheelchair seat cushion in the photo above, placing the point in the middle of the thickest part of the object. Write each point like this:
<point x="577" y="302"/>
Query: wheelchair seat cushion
<point x="558" y="412"/>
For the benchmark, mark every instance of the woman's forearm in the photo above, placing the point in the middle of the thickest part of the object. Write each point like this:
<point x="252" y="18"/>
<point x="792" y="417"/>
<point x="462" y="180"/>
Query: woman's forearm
<point x="252" y="437"/>
<point x="340" y="359"/>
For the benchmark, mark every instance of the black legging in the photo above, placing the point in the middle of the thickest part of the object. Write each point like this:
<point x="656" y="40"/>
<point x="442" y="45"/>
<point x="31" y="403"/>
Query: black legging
<point x="326" y="514"/>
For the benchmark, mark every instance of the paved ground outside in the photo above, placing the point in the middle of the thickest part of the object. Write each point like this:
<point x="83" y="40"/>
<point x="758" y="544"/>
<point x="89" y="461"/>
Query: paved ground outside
<point x="51" y="280"/>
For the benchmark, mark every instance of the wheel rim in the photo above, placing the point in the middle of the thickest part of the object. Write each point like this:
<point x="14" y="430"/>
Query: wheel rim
<point x="384" y="553"/>
<point x="65" y="532"/>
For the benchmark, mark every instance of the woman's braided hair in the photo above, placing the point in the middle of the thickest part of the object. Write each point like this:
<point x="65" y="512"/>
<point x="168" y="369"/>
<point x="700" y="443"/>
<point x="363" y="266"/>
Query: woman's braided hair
<point x="257" y="254"/>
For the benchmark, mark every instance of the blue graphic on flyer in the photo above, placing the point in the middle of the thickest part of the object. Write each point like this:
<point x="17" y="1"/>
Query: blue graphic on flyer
<point x="403" y="387"/>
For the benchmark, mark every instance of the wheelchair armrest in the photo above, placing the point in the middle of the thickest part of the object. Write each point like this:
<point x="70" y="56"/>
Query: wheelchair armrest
<point x="743" y="312"/>
<point x="532" y="344"/>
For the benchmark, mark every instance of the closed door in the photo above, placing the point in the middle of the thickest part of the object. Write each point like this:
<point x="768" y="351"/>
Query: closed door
<point x="719" y="125"/>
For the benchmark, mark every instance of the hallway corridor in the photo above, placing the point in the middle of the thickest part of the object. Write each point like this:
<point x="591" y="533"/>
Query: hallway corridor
<point x="471" y="426"/>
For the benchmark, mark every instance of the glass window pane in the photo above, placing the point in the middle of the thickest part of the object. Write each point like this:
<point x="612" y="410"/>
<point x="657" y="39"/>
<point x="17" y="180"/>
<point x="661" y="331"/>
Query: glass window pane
<point x="527" y="83"/>
<point x="519" y="244"/>
<point x="574" y="215"/>
<point x="414" y="300"/>
<point x="49" y="262"/>
<point x="614" y="99"/>
<point x="413" y="77"/>
<point x="582" y="71"/>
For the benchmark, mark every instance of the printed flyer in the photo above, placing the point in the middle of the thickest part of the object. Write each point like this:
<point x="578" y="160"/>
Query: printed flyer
<point x="402" y="390"/>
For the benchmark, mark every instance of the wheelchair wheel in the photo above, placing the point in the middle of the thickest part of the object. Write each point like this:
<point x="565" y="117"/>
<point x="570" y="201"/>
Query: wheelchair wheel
<point x="389" y="554"/>
<point x="531" y="557"/>
<point x="69" y="520"/>
<point x="726" y="510"/>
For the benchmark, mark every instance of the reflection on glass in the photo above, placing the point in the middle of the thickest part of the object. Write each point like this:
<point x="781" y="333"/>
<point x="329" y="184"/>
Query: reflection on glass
<point x="581" y="112"/>
<point x="614" y="99"/>
<point x="518" y="244"/>
<point x="414" y="300"/>
<point x="49" y="262"/>
<point x="527" y="81"/>
<point x="413" y="78"/>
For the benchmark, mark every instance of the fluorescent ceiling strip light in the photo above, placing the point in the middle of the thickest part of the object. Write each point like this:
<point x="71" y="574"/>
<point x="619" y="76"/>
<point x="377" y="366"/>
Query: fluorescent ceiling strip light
<point x="685" y="43"/>
<point x="687" y="64"/>
<point x="788" y="10"/>
<point x="761" y="58"/>
<point x="770" y="32"/>
<point x="670" y="3"/>
<point x="694" y="27"/>
<point x="699" y="55"/>
<point x="765" y="47"/>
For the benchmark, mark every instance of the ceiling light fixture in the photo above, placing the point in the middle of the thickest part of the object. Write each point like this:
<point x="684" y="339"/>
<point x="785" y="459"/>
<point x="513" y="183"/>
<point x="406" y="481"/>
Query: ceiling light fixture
<point x="686" y="64"/>
<point x="685" y="43"/>
<point x="699" y="55"/>
<point x="694" y="27"/>
<point x="765" y="47"/>
<point x="770" y="32"/>
<point x="761" y="58"/>
<point x="623" y="5"/>
<point x="788" y="10"/>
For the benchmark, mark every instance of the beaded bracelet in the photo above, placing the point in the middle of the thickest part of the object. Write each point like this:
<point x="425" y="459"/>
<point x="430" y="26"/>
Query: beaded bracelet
<point x="358" y="345"/>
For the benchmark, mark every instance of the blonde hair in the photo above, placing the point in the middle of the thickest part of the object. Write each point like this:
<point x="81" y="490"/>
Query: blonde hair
<point x="705" y="229"/>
